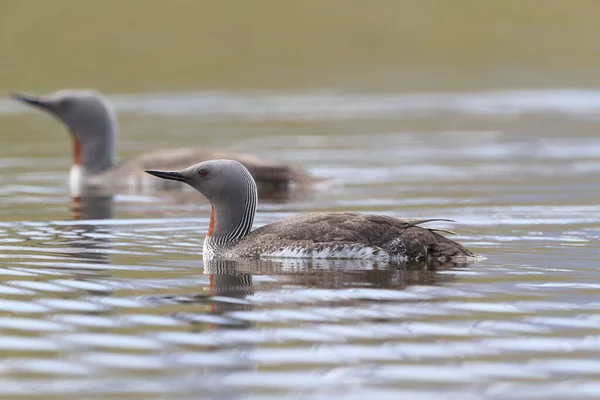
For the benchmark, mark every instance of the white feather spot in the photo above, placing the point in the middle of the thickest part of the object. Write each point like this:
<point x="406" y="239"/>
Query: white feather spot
<point x="76" y="180"/>
<point x="207" y="249"/>
<point x="333" y="252"/>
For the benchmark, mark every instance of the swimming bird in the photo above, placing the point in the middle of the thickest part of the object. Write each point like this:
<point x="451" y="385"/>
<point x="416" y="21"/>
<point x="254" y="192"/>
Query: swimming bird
<point x="92" y="122"/>
<point x="232" y="192"/>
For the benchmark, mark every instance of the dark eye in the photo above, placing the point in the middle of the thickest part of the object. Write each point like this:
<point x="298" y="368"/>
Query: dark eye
<point x="63" y="104"/>
<point x="203" y="172"/>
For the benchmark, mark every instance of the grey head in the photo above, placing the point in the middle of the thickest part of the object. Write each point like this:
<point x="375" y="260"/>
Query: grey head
<point x="228" y="186"/>
<point x="89" y="117"/>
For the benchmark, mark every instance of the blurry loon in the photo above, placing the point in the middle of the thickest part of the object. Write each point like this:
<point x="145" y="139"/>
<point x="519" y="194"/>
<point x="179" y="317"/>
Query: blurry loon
<point x="92" y="122"/>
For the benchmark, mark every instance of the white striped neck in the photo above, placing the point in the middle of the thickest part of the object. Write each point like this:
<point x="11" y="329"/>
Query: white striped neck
<point x="231" y="220"/>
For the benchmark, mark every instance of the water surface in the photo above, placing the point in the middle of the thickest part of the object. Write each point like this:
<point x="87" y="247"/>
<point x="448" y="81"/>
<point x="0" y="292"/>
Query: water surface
<point x="123" y="305"/>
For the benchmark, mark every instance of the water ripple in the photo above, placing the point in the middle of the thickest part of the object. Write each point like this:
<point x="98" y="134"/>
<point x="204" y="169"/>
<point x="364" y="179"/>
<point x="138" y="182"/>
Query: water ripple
<point x="124" y="306"/>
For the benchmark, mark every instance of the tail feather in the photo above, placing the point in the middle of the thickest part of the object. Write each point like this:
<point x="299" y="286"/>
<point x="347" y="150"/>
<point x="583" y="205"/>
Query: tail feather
<point x="443" y="230"/>
<point x="446" y="248"/>
<point x="417" y="222"/>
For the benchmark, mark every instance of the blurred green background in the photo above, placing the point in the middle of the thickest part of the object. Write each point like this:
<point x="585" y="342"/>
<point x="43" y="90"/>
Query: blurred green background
<point x="122" y="46"/>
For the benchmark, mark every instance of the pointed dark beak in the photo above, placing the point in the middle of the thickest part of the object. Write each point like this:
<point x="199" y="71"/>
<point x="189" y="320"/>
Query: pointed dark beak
<point x="31" y="100"/>
<point x="173" y="176"/>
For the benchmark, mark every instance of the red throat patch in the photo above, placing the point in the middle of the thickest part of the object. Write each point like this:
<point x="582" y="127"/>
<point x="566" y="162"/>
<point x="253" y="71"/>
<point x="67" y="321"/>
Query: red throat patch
<point x="76" y="150"/>
<point x="211" y="223"/>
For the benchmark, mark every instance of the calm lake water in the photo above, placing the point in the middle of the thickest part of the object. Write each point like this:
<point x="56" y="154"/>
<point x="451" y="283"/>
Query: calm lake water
<point x="125" y="305"/>
<point x="495" y="127"/>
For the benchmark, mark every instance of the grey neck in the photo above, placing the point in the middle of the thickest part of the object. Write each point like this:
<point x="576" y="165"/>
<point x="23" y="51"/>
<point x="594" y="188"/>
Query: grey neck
<point x="233" y="218"/>
<point x="98" y="147"/>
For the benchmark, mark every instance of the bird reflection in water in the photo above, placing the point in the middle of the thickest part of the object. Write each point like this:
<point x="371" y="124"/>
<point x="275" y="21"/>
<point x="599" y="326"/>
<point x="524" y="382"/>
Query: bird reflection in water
<point x="92" y="207"/>
<point x="232" y="283"/>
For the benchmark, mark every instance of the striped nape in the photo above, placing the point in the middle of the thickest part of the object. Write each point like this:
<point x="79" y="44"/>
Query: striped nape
<point x="226" y="231"/>
<point x="245" y="223"/>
